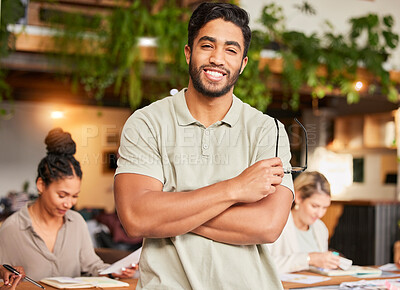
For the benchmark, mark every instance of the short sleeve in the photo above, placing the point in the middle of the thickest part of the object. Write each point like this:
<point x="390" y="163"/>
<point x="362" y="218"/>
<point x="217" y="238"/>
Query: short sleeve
<point x="138" y="151"/>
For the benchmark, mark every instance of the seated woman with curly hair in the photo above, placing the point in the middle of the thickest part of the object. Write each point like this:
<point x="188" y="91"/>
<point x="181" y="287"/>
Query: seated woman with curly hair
<point x="46" y="238"/>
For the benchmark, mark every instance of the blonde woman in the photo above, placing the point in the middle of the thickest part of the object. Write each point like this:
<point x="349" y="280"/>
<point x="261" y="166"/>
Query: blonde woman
<point x="304" y="240"/>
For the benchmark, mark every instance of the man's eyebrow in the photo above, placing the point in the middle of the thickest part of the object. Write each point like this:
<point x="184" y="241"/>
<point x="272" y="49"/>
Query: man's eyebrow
<point x="212" y="39"/>
<point x="209" y="38"/>
<point x="234" y="43"/>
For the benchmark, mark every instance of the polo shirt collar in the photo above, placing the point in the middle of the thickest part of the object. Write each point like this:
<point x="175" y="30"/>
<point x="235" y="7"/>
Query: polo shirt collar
<point x="182" y="112"/>
<point x="25" y="218"/>
<point x="184" y="117"/>
<point x="232" y="117"/>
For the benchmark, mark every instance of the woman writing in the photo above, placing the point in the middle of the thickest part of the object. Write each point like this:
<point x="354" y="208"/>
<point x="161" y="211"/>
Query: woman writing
<point x="304" y="240"/>
<point x="47" y="238"/>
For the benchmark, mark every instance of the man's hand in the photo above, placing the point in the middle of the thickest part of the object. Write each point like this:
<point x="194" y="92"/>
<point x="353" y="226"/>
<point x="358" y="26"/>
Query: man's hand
<point x="258" y="180"/>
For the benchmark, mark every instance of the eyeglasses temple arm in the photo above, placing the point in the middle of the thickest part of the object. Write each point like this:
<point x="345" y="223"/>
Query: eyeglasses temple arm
<point x="305" y="133"/>
<point x="277" y="137"/>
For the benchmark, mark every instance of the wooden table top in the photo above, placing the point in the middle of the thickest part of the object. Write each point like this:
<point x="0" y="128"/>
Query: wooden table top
<point x="286" y="285"/>
<point x="24" y="285"/>
<point x="334" y="280"/>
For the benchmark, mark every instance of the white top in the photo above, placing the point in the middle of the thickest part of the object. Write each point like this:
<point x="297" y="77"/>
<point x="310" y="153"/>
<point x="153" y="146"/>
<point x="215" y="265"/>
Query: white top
<point x="307" y="242"/>
<point x="287" y="252"/>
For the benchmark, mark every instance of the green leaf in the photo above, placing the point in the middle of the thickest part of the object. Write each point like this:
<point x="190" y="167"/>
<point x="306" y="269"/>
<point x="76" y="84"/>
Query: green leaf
<point x="391" y="39"/>
<point x="393" y="94"/>
<point x="353" y="97"/>
<point x="388" y="21"/>
<point x="373" y="39"/>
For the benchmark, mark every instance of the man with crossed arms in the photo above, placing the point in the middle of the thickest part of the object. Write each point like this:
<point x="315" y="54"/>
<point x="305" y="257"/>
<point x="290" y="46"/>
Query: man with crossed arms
<point x="197" y="175"/>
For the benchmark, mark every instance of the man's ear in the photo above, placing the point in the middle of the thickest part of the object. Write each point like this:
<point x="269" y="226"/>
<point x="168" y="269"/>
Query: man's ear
<point x="188" y="53"/>
<point x="244" y="63"/>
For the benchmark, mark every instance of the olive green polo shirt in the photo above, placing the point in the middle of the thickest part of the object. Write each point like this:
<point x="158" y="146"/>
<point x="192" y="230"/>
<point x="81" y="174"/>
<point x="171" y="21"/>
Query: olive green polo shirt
<point x="165" y="142"/>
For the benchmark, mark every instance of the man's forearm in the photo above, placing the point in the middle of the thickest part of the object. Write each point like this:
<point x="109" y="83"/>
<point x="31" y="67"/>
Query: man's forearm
<point x="153" y="213"/>
<point x="145" y="210"/>
<point x="256" y="223"/>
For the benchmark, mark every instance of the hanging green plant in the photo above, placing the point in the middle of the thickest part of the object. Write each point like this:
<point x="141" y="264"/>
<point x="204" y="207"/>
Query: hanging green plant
<point x="104" y="51"/>
<point x="114" y="58"/>
<point x="101" y="52"/>
<point x="340" y="55"/>
<point x="251" y="86"/>
<point x="171" y="39"/>
<point x="11" y="12"/>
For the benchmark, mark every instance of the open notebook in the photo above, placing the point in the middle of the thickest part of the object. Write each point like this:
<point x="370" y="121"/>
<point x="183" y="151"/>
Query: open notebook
<point x="83" y="282"/>
<point x="360" y="271"/>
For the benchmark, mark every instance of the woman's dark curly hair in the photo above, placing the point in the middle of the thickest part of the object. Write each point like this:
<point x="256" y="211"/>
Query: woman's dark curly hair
<point x="59" y="161"/>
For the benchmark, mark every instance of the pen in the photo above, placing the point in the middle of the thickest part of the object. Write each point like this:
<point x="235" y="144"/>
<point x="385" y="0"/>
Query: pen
<point x="11" y="269"/>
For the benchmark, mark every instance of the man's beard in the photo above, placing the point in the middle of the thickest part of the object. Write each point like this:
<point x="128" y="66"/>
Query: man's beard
<point x="206" y="91"/>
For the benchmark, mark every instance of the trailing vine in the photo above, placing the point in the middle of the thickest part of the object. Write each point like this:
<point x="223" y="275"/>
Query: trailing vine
<point x="11" y="12"/>
<point x="339" y="54"/>
<point x="101" y="52"/>
<point x="251" y="87"/>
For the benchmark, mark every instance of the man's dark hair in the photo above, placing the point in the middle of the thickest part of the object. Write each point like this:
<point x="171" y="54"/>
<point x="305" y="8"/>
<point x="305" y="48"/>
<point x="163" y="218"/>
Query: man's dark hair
<point x="206" y="12"/>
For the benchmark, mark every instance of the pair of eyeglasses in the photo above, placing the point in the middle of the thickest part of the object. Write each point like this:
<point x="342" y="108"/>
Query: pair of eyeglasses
<point x="294" y="169"/>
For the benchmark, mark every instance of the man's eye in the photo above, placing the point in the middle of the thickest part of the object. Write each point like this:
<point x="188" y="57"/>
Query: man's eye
<point x="232" y="51"/>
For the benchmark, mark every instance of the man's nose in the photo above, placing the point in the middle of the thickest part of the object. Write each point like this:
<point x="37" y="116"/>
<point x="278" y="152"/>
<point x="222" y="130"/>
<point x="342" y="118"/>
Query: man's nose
<point x="217" y="57"/>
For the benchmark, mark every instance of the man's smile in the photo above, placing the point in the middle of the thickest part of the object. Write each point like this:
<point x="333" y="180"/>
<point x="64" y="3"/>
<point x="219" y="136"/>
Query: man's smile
<point x="214" y="74"/>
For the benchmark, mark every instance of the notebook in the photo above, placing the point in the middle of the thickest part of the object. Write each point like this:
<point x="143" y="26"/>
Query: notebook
<point x="359" y="271"/>
<point x="83" y="282"/>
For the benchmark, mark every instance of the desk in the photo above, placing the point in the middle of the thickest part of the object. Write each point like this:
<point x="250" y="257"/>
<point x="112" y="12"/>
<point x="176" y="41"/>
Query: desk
<point x="286" y="285"/>
<point x="29" y="286"/>
<point x="336" y="280"/>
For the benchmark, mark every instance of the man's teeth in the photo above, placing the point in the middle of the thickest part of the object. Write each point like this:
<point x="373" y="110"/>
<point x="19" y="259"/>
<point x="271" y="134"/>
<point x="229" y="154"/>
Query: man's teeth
<point x="214" y="73"/>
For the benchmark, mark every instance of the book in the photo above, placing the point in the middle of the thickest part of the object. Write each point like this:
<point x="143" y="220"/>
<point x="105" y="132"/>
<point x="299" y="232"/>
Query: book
<point x="83" y="282"/>
<point x="359" y="271"/>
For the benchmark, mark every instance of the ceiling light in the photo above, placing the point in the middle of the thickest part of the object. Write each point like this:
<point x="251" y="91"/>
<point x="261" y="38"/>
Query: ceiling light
<point x="57" y="114"/>
<point x="358" y="86"/>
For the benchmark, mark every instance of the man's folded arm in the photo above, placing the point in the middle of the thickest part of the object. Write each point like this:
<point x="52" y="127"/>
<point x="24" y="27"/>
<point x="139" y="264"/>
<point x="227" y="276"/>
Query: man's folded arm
<point x="146" y="211"/>
<point x="256" y="223"/>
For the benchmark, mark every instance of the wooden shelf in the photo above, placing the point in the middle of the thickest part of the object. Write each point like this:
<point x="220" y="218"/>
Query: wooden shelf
<point x="275" y="65"/>
<point x="104" y="3"/>
<point x="36" y="10"/>
<point x="363" y="134"/>
<point x="41" y="40"/>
